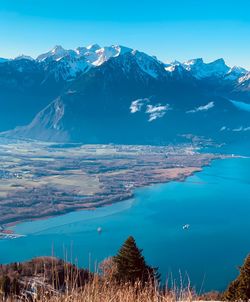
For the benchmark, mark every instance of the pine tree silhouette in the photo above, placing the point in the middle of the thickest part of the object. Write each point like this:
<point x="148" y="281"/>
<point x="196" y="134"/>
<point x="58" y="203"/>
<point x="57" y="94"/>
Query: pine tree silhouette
<point x="239" y="289"/>
<point x="131" y="265"/>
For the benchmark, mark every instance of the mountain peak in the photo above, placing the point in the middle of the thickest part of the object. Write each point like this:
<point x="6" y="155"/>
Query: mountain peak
<point x="93" y="47"/>
<point x="198" y="61"/>
<point x="148" y="98"/>
<point x="23" y="57"/>
<point x="84" y="58"/>
<point x="57" y="48"/>
<point x="219" y="61"/>
<point x="56" y="53"/>
<point x="81" y="50"/>
<point x="200" y="69"/>
<point x="107" y="52"/>
<point x="238" y="69"/>
<point x="122" y="49"/>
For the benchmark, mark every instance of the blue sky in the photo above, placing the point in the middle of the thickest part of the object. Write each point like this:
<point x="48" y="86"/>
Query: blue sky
<point x="177" y="29"/>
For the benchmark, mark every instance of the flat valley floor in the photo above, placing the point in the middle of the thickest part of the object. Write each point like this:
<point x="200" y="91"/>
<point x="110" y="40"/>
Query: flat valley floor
<point x="40" y="180"/>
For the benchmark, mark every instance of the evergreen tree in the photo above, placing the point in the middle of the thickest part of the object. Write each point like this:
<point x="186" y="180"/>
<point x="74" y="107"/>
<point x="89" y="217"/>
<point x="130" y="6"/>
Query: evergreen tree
<point x="131" y="265"/>
<point x="239" y="289"/>
<point x="231" y="292"/>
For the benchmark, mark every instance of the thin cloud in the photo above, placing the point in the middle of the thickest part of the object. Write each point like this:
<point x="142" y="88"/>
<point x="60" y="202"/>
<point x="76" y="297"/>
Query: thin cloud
<point x="206" y="107"/>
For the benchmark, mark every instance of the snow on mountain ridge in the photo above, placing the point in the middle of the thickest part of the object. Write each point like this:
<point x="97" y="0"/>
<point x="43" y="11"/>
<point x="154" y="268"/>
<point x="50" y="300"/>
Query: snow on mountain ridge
<point x="105" y="53"/>
<point x="56" y="53"/>
<point x="93" y="47"/>
<point x="84" y="58"/>
<point x="201" y="70"/>
<point x="244" y="78"/>
<point x="188" y="65"/>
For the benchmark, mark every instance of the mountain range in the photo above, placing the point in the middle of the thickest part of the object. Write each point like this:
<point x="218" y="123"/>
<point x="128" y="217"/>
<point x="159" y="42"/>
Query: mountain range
<point x="119" y="95"/>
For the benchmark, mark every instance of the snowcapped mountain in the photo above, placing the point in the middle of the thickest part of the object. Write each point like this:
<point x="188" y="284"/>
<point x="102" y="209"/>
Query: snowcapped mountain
<point x="71" y="62"/>
<point x="95" y="94"/>
<point x="105" y="53"/>
<point x="201" y="70"/>
<point x="57" y="53"/>
<point x="216" y="69"/>
<point x="93" y="54"/>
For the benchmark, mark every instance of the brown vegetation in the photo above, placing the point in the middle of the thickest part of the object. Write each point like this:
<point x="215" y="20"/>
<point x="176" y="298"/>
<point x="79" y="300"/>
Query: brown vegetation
<point x="40" y="180"/>
<point x="93" y="288"/>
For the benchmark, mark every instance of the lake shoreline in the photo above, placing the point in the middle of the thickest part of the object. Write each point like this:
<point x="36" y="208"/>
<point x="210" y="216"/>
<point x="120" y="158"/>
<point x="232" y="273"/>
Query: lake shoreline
<point x="214" y="202"/>
<point x="92" y="207"/>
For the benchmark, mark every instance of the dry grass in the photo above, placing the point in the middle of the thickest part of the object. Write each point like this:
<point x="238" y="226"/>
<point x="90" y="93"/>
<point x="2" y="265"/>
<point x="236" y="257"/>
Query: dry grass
<point x="99" y="291"/>
<point x="46" y="284"/>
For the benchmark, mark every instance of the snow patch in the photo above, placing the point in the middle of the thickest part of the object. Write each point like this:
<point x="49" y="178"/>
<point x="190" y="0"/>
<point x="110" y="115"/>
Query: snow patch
<point x="93" y="47"/>
<point x="170" y="68"/>
<point x="236" y="73"/>
<point x="56" y="53"/>
<point x="244" y="78"/>
<point x="105" y="53"/>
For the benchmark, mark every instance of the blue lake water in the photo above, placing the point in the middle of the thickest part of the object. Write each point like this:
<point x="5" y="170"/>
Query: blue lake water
<point x="215" y="202"/>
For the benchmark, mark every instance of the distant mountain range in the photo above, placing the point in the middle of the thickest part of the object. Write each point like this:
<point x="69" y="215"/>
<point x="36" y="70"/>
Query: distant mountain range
<point x="119" y="95"/>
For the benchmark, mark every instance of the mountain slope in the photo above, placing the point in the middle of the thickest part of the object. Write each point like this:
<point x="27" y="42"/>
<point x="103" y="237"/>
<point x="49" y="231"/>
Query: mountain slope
<point x="119" y="95"/>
